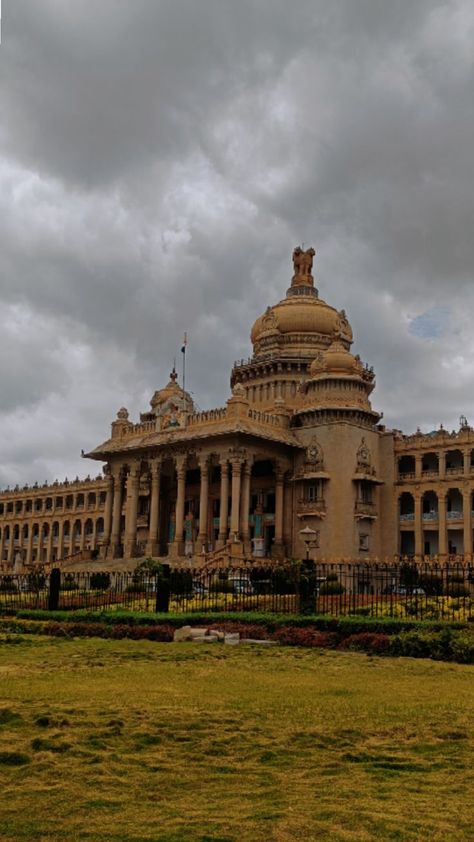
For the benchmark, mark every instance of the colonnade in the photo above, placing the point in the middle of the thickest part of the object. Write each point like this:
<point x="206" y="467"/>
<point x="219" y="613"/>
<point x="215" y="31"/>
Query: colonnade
<point x="45" y="540"/>
<point x="235" y="477"/>
<point x="421" y="521"/>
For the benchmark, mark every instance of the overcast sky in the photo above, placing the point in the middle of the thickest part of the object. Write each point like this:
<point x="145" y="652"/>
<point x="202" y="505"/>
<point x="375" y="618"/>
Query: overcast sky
<point x="159" y="161"/>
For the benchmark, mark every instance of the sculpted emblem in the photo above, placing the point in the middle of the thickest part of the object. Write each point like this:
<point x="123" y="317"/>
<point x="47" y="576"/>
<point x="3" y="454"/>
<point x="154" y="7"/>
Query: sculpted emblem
<point x="303" y="262"/>
<point x="363" y="455"/>
<point x="314" y="453"/>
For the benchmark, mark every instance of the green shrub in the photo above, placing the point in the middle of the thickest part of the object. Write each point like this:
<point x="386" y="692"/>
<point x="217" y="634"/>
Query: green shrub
<point x="8" y="585"/>
<point x="432" y="585"/>
<point x="100" y="581"/>
<point x="331" y="588"/>
<point x="455" y="587"/>
<point x="69" y="583"/>
<point x="181" y="582"/>
<point x="36" y="581"/>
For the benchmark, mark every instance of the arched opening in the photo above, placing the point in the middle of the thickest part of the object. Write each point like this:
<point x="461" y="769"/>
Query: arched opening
<point x="454" y="504"/>
<point x="406" y="504"/>
<point x="454" y="462"/>
<point x="406" y="466"/>
<point x="430" y="464"/>
<point x="430" y="506"/>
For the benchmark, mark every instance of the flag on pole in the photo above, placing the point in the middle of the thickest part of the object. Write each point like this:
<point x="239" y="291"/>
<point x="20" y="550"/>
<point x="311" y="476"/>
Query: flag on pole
<point x="185" y="342"/>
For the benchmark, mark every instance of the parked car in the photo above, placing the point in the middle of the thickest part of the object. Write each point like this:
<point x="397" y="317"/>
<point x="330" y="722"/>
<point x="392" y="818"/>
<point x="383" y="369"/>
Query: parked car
<point x="242" y="586"/>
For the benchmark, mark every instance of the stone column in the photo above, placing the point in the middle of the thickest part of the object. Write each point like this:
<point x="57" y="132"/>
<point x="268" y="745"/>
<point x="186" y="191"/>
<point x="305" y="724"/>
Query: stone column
<point x="202" y="539"/>
<point x="467" y="462"/>
<point x="61" y="540"/>
<point x="131" y="512"/>
<point x="109" y="498"/>
<point x="115" y="541"/>
<point x="236" y="463"/>
<point x="11" y="545"/>
<point x="178" y="544"/>
<point x="467" y="523"/>
<point x="50" y="543"/>
<point x="82" y="544"/>
<point x="152" y="547"/>
<point x="244" y="515"/>
<point x="442" y="464"/>
<point x="29" y="551"/>
<point x="418" y="466"/>
<point x="224" y="503"/>
<point x="418" y="526"/>
<point x="443" y="536"/>
<point x="2" y="545"/>
<point x="279" y="494"/>
<point x="94" y="534"/>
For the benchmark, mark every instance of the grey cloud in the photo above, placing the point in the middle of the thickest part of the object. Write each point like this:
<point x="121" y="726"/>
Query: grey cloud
<point x="159" y="161"/>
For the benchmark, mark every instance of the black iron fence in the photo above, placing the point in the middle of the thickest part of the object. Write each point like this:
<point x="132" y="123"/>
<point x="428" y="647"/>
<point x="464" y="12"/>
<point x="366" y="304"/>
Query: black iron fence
<point x="403" y="590"/>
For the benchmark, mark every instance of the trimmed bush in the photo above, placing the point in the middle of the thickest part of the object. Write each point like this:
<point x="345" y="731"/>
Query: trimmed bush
<point x="100" y="581"/>
<point x="331" y="587"/>
<point x="8" y="585"/>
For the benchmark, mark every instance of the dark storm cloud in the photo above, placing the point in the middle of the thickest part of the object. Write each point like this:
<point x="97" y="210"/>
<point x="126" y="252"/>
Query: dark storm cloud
<point x="159" y="161"/>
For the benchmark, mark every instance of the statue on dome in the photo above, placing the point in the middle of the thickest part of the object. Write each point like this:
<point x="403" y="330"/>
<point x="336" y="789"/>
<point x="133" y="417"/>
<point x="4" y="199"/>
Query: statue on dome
<point x="303" y="263"/>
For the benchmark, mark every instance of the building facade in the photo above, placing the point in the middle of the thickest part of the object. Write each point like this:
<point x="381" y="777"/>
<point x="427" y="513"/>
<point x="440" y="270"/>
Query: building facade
<point x="297" y="446"/>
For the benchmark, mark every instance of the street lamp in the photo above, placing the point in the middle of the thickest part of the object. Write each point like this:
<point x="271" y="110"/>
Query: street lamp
<point x="308" y="536"/>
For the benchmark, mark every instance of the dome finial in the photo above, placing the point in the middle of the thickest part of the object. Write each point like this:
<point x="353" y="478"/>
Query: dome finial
<point x="302" y="264"/>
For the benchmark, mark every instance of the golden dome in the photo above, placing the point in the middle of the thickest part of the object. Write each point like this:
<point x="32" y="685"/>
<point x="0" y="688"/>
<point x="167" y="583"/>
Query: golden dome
<point x="301" y="312"/>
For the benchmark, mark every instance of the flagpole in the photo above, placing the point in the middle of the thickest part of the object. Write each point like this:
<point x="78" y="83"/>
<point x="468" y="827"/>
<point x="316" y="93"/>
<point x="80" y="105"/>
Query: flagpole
<point x="185" y="342"/>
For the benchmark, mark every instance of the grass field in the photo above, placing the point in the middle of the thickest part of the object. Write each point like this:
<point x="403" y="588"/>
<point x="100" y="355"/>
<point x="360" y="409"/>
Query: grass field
<point x="134" y="741"/>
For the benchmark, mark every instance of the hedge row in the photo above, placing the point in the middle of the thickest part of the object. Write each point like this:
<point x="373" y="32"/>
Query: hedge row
<point x="447" y="643"/>
<point x="271" y="622"/>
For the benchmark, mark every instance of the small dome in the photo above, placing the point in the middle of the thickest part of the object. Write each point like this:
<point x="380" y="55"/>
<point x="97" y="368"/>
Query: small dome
<point x="336" y="360"/>
<point x="172" y="393"/>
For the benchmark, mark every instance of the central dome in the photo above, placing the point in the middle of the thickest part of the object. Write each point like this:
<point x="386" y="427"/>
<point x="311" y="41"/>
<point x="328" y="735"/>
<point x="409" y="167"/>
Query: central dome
<point x="301" y="319"/>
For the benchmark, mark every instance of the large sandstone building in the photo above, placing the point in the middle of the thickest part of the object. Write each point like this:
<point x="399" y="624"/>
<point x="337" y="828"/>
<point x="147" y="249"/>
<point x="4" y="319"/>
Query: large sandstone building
<point x="297" y="446"/>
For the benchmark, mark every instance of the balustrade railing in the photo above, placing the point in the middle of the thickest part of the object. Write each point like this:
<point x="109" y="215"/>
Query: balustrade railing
<point x="310" y="506"/>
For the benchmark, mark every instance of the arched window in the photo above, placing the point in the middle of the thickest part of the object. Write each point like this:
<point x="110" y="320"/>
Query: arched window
<point x="406" y="504"/>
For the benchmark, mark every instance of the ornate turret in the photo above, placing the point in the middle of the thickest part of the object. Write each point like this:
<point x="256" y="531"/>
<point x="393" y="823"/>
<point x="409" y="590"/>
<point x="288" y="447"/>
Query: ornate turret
<point x="338" y="381"/>
<point x="170" y="398"/>
<point x="288" y="336"/>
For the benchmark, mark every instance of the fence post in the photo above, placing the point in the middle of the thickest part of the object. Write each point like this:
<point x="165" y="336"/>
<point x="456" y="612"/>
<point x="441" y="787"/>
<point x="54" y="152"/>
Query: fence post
<point x="54" y="589"/>
<point x="307" y="587"/>
<point x="163" y="590"/>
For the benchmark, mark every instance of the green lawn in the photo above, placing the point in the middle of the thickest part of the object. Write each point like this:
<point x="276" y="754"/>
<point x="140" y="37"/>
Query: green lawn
<point x="134" y="741"/>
